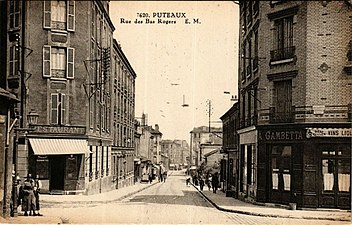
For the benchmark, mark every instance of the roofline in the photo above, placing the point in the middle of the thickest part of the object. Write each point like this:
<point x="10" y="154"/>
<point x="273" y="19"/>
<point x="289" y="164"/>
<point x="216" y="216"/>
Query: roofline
<point x="120" y="52"/>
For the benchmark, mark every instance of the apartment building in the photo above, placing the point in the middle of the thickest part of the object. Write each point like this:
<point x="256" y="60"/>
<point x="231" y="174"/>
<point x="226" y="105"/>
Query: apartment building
<point x="68" y="71"/>
<point x="295" y="102"/>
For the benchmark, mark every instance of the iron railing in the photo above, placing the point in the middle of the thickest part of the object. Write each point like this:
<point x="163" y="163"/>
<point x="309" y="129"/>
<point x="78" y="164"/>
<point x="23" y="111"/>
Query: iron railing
<point x="283" y="53"/>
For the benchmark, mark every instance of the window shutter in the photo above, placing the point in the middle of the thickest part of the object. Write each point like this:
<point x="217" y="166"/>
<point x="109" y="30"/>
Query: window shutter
<point x="46" y="61"/>
<point x="54" y="111"/>
<point x="71" y="15"/>
<point x="63" y="108"/>
<point x="47" y="14"/>
<point x="70" y="63"/>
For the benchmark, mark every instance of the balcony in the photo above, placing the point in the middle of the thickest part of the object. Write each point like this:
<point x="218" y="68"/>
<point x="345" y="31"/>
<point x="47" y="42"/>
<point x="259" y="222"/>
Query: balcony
<point x="282" y="54"/>
<point x="281" y="117"/>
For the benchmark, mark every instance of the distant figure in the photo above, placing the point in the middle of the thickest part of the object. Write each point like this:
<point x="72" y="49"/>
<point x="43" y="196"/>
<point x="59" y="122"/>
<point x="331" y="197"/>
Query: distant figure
<point x="215" y="182"/>
<point x="201" y="183"/>
<point x="150" y="177"/>
<point x="209" y="181"/>
<point x="188" y="180"/>
<point x="164" y="175"/>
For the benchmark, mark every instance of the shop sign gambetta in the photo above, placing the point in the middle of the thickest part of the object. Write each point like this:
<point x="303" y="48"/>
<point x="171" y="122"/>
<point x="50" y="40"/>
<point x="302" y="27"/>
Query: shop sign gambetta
<point x="329" y="132"/>
<point x="281" y="135"/>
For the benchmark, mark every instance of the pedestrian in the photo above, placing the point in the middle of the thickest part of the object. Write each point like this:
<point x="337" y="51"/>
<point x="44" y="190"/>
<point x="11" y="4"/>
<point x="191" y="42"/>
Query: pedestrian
<point x="28" y="203"/>
<point x="36" y="189"/>
<point x="215" y="182"/>
<point x="150" y="177"/>
<point x="210" y="180"/>
<point x="164" y="175"/>
<point x="188" y="180"/>
<point x="201" y="183"/>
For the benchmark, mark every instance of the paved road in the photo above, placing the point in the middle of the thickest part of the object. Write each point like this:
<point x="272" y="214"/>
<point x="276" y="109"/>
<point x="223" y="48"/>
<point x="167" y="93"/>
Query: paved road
<point x="171" y="202"/>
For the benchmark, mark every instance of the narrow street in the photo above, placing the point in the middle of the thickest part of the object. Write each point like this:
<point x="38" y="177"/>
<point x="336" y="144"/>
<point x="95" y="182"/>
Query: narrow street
<point x="171" y="202"/>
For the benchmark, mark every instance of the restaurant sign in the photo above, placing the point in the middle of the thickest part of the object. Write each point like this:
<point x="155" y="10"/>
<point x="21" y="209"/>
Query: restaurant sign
<point x="59" y="129"/>
<point x="329" y="132"/>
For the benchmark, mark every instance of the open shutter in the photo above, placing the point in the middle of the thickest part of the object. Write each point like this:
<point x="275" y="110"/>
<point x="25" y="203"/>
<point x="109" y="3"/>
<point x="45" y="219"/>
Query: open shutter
<point x="47" y="14"/>
<point x="54" y="111"/>
<point x="46" y="61"/>
<point x="70" y="63"/>
<point x="63" y="108"/>
<point x="71" y="15"/>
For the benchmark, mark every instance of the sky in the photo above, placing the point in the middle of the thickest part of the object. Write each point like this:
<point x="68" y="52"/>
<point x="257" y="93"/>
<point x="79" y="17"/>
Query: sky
<point x="200" y="57"/>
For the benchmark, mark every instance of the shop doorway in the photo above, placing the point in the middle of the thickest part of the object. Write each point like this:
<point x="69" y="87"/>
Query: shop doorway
<point x="281" y="174"/>
<point x="335" y="167"/>
<point x="57" y="171"/>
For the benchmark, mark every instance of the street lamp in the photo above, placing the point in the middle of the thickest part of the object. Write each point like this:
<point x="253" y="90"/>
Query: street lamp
<point x="32" y="117"/>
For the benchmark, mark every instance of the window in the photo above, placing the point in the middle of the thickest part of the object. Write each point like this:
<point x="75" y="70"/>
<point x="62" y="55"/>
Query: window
<point x="283" y="39"/>
<point x="283" y="101"/>
<point x="14" y="14"/>
<point x="59" y="15"/>
<point x="58" y="108"/>
<point x="256" y="49"/>
<point x="58" y="62"/>
<point x="249" y="57"/>
<point x="13" y="62"/>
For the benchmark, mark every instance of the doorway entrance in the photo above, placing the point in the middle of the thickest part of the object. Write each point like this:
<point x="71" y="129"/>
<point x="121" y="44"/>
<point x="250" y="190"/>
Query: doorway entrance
<point x="57" y="171"/>
<point x="281" y="174"/>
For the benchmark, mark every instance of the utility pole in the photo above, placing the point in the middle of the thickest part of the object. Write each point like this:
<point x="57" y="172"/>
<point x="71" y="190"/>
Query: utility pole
<point x="209" y="108"/>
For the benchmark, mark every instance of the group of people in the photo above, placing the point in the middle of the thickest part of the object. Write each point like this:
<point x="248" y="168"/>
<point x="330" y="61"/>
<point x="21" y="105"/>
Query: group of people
<point x="211" y="180"/>
<point x="28" y="196"/>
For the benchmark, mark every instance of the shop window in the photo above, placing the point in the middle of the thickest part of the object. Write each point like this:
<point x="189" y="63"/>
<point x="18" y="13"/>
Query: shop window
<point x="72" y="168"/>
<point x="42" y="167"/>
<point x="344" y="174"/>
<point x="328" y="174"/>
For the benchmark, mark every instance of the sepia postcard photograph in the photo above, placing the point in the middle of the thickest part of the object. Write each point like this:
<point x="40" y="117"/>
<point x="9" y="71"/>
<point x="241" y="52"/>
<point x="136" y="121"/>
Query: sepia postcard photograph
<point x="175" y="112"/>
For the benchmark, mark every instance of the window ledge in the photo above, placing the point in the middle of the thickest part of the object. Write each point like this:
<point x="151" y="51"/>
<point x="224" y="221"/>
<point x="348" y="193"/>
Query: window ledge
<point x="282" y="61"/>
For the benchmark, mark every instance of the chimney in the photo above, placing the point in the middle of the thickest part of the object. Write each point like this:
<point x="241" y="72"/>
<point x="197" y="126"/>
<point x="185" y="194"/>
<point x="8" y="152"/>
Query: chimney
<point x="156" y="127"/>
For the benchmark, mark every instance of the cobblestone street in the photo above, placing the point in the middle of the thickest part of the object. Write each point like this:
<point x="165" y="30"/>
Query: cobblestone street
<point x="171" y="202"/>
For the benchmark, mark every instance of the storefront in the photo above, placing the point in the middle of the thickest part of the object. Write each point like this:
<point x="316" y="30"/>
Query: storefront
<point x="58" y="158"/>
<point x="308" y="165"/>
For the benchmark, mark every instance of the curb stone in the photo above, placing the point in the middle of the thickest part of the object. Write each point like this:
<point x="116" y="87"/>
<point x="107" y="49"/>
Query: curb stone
<point x="265" y="215"/>
<point x="96" y="202"/>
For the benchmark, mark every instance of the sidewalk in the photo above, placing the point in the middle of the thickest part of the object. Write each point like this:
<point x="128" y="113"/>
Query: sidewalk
<point x="106" y="197"/>
<point x="229" y="204"/>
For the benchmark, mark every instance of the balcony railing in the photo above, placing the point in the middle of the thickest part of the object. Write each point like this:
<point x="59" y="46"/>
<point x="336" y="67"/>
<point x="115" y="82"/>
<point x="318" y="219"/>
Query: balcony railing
<point x="283" y="53"/>
<point x="281" y="117"/>
<point x="58" y="25"/>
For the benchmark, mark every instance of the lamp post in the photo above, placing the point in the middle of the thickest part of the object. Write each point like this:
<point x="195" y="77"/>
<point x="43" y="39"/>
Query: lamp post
<point x="32" y="119"/>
